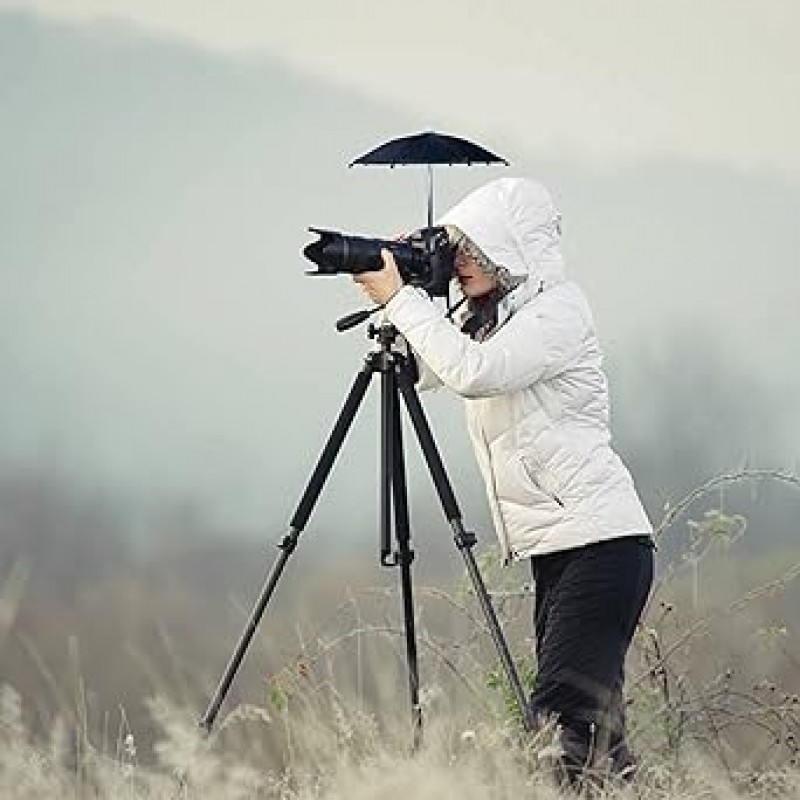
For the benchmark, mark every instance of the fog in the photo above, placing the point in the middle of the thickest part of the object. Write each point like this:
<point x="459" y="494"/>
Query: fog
<point x="169" y="374"/>
<point x="159" y="339"/>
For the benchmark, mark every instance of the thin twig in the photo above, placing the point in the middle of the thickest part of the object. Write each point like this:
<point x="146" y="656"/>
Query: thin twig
<point x="735" y="477"/>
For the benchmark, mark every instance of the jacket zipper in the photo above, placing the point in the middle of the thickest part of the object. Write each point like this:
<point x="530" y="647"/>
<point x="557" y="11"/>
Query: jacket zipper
<point x="507" y="553"/>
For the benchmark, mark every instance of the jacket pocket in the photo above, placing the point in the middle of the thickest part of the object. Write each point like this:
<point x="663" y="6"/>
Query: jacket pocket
<point x="542" y="480"/>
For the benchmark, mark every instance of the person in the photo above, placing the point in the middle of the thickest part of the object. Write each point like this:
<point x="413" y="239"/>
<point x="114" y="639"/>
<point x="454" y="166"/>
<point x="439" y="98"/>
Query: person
<point x="525" y="356"/>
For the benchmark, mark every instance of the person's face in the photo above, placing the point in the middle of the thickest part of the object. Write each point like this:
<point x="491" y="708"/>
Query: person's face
<point x="473" y="280"/>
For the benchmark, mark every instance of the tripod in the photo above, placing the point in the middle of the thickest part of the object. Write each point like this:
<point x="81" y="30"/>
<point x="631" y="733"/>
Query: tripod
<point x="397" y="378"/>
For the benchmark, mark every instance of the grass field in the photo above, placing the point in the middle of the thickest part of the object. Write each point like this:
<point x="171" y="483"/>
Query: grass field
<point x="101" y="697"/>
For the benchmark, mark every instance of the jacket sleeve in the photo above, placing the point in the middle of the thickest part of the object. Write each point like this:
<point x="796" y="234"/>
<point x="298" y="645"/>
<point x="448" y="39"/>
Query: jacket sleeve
<point x="536" y="342"/>
<point x="428" y="379"/>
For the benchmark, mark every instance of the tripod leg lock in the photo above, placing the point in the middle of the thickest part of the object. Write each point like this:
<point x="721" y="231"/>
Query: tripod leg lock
<point x="289" y="542"/>
<point x="466" y="539"/>
<point x="398" y="558"/>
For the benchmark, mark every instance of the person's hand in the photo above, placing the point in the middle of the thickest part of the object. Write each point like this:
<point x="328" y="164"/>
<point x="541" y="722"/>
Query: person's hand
<point x="381" y="285"/>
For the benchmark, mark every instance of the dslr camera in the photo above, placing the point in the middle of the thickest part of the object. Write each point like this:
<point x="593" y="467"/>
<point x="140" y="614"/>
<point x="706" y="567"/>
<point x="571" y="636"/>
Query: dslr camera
<point x="425" y="258"/>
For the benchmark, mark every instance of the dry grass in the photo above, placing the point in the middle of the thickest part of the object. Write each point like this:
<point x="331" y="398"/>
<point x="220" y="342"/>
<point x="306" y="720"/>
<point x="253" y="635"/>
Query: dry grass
<point x="713" y="687"/>
<point x="342" y="754"/>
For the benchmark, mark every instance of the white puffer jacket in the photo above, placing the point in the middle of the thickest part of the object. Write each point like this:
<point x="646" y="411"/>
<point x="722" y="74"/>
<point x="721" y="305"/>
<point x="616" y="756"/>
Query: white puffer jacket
<point x="536" y="396"/>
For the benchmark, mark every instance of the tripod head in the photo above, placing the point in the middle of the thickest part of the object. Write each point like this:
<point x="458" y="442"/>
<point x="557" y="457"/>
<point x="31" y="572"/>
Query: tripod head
<point x="385" y="334"/>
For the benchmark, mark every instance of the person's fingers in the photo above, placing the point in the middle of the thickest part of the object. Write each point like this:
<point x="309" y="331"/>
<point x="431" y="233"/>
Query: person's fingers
<point x="387" y="256"/>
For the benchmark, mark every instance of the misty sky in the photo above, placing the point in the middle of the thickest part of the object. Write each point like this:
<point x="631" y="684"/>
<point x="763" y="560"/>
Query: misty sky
<point x="161" y="163"/>
<point x="715" y="80"/>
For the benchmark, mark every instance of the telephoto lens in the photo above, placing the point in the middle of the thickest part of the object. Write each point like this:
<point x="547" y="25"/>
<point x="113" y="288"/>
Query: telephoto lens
<point x="424" y="259"/>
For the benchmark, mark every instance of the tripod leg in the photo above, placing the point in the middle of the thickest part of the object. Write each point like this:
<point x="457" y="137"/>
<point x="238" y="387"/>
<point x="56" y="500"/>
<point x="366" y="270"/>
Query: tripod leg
<point x="464" y="540"/>
<point x="404" y="557"/>
<point x="289" y="543"/>
<point x="389" y="403"/>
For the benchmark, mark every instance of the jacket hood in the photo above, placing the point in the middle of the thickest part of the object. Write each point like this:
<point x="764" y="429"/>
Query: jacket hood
<point x="516" y="224"/>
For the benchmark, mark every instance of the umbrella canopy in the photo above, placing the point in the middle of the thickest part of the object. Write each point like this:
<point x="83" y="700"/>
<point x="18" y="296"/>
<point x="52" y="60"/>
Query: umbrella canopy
<point x="428" y="148"/>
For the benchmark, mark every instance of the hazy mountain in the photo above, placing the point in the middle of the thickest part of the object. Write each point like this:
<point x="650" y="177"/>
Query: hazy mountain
<point x="158" y="335"/>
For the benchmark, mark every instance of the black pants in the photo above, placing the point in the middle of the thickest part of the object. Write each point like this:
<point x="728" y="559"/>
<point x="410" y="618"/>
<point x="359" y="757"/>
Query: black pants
<point x="588" y="602"/>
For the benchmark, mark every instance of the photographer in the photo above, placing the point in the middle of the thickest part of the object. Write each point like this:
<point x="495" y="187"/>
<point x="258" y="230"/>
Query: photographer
<point x="526" y="358"/>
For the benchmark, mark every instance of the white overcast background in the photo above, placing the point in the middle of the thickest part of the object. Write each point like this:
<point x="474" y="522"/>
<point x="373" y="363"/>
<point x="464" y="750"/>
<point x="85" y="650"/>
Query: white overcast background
<point x="161" y="161"/>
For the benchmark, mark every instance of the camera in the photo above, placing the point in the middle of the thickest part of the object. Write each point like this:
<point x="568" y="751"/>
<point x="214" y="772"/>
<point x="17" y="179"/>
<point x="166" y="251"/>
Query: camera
<point x="425" y="258"/>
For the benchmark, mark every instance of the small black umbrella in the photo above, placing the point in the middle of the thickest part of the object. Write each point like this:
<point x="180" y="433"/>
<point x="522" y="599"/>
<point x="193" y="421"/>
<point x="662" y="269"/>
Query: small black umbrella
<point x="429" y="148"/>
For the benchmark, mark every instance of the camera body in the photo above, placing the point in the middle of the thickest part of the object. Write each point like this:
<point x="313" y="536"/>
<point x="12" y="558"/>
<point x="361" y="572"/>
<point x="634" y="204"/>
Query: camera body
<point x="425" y="258"/>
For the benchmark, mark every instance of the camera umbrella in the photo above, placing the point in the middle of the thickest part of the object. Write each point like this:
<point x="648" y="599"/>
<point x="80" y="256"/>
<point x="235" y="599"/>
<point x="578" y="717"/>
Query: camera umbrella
<point x="428" y="148"/>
